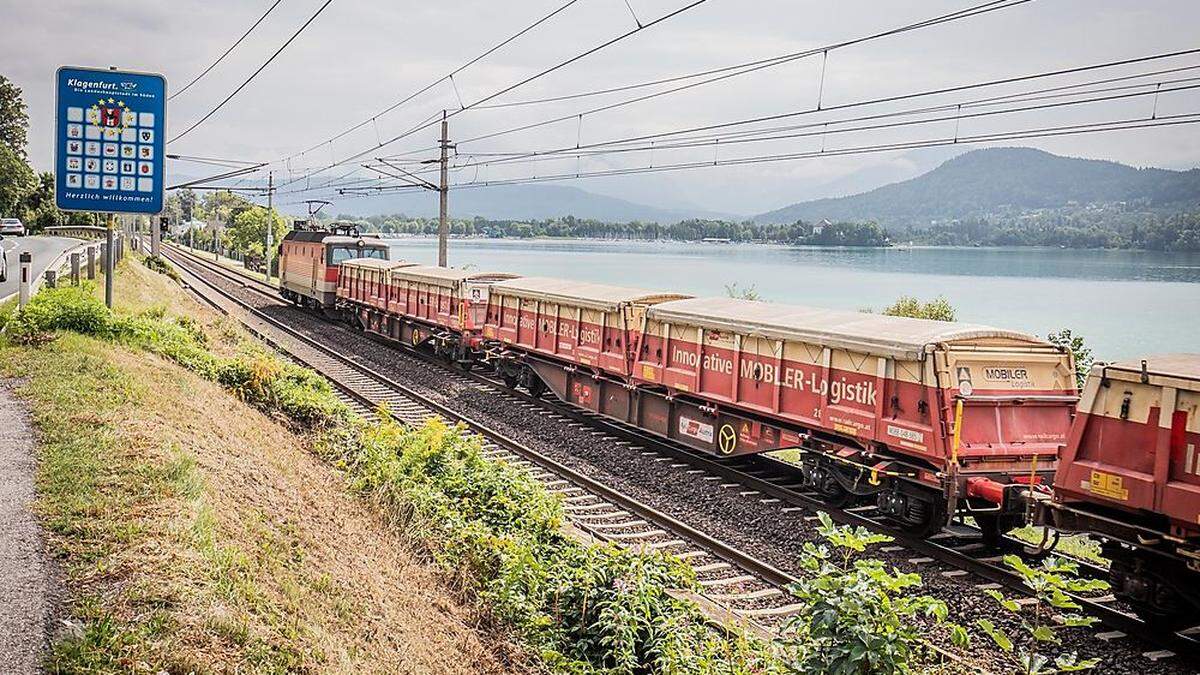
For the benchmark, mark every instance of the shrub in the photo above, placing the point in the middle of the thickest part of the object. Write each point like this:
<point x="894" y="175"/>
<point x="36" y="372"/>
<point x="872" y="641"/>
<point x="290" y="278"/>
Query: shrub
<point x="1050" y="584"/>
<point x="74" y="308"/>
<point x="856" y="616"/>
<point x="582" y="608"/>
<point x="938" y="309"/>
<point x="160" y="265"/>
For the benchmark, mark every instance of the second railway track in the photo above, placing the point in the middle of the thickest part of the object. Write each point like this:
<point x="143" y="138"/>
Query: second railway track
<point x="769" y="482"/>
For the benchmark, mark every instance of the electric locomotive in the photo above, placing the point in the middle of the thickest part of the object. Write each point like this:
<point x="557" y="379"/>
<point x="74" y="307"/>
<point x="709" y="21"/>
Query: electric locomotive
<point x="310" y="260"/>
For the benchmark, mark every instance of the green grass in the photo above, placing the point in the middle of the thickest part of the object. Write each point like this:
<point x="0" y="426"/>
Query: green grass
<point x="1078" y="546"/>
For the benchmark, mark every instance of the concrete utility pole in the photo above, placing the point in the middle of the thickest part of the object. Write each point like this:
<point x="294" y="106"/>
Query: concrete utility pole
<point x="270" y="222"/>
<point x="443" y="195"/>
<point x="155" y="237"/>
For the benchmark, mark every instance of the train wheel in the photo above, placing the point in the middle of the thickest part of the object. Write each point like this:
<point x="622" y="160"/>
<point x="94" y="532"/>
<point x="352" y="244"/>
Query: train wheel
<point x="925" y="517"/>
<point x="1148" y="589"/>
<point x="536" y="386"/>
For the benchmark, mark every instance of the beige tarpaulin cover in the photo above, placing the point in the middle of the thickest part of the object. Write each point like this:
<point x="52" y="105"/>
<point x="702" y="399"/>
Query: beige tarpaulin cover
<point x="375" y="264"/>
<point x="890" y="336"/>
<point x="446" y="276"/>
<point x="593" y="296"/>
<point x="1186" y="366"/>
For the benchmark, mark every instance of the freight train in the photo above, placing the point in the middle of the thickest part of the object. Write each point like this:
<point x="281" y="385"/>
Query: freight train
<point x="928" y="420"/>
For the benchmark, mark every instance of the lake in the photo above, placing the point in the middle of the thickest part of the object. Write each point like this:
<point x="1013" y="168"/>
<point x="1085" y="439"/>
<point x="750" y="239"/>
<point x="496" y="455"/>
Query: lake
<point x="1125" y="303"/>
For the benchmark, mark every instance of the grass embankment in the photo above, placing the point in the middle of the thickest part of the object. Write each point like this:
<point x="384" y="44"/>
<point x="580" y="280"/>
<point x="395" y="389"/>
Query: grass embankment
<point x="199" y="534"/>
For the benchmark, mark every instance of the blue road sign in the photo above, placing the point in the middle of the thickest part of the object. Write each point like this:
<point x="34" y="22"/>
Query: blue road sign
<point x="109" y="141"/>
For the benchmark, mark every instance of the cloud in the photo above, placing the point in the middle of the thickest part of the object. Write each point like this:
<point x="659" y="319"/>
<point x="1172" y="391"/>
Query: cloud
<point x="362" y="55"/>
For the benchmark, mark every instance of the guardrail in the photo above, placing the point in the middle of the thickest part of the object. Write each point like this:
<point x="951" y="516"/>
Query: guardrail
<point x="77" y="231"/>
<point x="71" y="263"/>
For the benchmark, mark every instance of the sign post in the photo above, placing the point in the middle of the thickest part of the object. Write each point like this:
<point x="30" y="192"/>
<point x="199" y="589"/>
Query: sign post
<point x="109" y="143"/>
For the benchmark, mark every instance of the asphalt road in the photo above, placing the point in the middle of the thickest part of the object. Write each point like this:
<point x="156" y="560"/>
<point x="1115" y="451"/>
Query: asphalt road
<point x="44" y="250"/>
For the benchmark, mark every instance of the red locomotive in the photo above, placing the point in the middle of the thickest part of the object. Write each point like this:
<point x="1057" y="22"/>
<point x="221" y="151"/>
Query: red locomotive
<point x="1130" y="473"/>
<point x="309" y="261"/>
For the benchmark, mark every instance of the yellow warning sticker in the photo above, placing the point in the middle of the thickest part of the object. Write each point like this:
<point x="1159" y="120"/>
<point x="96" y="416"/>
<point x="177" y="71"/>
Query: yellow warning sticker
<point x="1109" y="485"/>
<point x="648" y="372"/>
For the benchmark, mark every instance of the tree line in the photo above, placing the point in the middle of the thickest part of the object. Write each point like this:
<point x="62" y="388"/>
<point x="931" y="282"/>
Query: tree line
<point x="798" y="233"/>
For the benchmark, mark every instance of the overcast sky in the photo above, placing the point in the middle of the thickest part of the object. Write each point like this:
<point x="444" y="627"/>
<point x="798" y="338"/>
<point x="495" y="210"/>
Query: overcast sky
<point x="360" y="56"/>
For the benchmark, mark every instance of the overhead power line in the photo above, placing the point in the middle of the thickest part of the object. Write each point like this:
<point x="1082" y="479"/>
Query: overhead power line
<point x="227" y="51"/>
<point x="1037" y="132"/>
<point x="831" y="127"/>
<point x="511" y="87"/>
<point x="844" y="106"/>
<point x="242" y="86"/>
<point x="494" y="48"/>
<point x="740" y="69"/>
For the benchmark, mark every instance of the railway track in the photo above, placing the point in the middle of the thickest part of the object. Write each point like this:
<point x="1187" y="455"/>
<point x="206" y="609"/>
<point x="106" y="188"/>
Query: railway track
<point x="735" y="585"/>
<point x="772" y="481"/>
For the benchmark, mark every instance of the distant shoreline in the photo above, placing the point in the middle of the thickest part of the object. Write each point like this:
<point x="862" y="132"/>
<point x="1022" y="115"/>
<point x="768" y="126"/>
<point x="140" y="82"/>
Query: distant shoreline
<point x="895" y="247"/>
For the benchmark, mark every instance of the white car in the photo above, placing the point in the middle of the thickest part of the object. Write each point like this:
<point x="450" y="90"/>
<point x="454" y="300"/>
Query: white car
<point x="12" y="226"/>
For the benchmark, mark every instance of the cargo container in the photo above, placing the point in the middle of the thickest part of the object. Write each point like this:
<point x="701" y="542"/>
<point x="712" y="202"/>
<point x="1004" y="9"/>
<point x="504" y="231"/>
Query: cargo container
<point x="365" y="281"/>
<point x="438" y="307"/>
<point x="578" y="323"/>
<point x="1131" y="473"/>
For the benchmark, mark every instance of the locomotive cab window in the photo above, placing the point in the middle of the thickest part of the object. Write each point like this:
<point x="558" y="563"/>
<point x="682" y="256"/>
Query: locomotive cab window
<point x="340" y="254"/>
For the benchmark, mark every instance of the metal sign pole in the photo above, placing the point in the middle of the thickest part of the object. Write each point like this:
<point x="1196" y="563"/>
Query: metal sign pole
<point x="108" y="261"/>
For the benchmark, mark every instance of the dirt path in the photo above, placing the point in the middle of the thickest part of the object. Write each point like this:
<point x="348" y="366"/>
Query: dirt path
<point x="25" y="579"/>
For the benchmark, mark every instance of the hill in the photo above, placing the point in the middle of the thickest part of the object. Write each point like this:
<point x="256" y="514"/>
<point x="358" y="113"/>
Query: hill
<point x="1002" y="181"/>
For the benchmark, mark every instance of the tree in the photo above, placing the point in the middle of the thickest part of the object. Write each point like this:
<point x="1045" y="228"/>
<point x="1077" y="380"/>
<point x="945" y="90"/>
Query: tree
<point x="1079" y="350"/>
<point x="17" y="181"/>
<point x="187" y="204"/>
<point x="39" y="209"/>
<point x="14" y="121"/>
<point x="248" y="233"/>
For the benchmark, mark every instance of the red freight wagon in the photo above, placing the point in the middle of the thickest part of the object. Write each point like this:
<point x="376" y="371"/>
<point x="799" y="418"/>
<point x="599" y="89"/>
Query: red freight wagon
<point x="365" y="281"/>
<point x="585" y="324"/>
<point x="918" y="413"/>
<point x="438" y="306"/>
<point x="443" y="297"/>
<point x="1131" y="473"/>
<point x="309" y="261"/>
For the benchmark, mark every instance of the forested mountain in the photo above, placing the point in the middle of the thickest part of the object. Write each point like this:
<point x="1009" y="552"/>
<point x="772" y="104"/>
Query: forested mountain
<point x="1003" y="181"/>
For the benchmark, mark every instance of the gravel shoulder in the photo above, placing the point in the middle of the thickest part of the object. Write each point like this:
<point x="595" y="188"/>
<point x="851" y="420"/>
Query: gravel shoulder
<point x="28" y="589"/>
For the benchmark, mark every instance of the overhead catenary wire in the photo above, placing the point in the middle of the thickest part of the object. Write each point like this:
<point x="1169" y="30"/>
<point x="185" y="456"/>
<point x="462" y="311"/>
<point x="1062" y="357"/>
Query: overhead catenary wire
<point x="1038" y="132"/>
<point x="975" y="10"/>
<point x="780" y="59"/>
<point x="491" y="50"/>
<point x="845" y="106"/>
<point x="248" y="80"/>
<point x="558" y="66"/>
<point x="655" y="141"/>
<point x="226" y="52"/>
